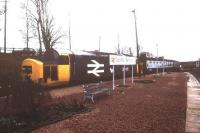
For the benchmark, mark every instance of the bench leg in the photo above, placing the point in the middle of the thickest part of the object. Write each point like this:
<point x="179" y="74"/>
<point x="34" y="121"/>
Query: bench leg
<point x="109" y="92"/>
<point x="92" y="97"/>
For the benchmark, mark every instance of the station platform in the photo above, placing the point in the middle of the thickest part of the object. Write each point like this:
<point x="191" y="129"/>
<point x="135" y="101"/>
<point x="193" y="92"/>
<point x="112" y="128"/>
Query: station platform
<point x="193" y="105"/>
<point x="158" y="106"/>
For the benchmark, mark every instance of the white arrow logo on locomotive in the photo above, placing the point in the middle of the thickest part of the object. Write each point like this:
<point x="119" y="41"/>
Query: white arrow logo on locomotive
<point x="96" y="66"/>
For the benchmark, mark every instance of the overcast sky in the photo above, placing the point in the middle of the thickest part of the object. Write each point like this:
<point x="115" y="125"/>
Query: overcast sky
<point x="172" y="24"/>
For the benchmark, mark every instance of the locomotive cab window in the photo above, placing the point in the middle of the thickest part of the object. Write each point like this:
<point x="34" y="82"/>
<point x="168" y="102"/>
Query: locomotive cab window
<point x="27" y="69"/>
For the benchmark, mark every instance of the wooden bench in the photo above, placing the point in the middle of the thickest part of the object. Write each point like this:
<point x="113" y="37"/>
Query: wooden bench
<point x="93" y="89"/>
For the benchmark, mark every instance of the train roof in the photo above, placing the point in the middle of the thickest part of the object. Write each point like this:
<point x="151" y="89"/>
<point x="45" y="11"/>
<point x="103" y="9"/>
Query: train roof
<point x="90" y="53"/>
<point x="149" y="56"/>
<point x="76" y="52"/>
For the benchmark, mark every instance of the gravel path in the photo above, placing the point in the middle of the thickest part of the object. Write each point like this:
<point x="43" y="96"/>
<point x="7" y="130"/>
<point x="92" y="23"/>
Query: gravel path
<point x="157" y="107"/>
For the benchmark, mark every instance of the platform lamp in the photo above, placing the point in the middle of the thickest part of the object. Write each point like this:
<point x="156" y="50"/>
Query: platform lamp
<point x="157" y="58"/>
<point x="5" y="24"/>
<point x="99" y="43"/>
<point x="163" y="65"/>
<point x="137" y="46"/>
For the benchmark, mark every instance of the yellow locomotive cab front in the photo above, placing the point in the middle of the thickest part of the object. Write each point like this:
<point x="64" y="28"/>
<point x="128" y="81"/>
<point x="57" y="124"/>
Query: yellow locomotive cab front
<point x="32" y="68"/>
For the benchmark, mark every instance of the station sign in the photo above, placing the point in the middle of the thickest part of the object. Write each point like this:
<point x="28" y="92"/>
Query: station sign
<point x="121" y="60"/>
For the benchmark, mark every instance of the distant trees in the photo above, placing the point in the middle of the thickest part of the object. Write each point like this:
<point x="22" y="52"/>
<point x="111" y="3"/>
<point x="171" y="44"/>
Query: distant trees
<point x="1" y="13"/>
<point x="117" y="50"/>
<point x="124" y="50"/>
<point x="26" y="33"/>
<point x="42" y="24"/>
<point x="127" y="51"/>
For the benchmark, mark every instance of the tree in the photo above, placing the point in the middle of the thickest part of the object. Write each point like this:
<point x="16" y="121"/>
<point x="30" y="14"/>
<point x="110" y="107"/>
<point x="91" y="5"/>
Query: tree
<point x="1" y="13"/>
<point x="43" y="24"/>
<point x="26" y="34"/>
<point x="117" y="50"/>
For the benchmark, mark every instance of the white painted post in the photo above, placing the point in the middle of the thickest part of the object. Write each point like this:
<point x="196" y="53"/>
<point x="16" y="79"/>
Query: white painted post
<point x="132" y="74"/>
<point x="163" y="67"/>
<point x="124" y="75"/>
<point x="113" y="77"/>
<point x="157" y="59"/>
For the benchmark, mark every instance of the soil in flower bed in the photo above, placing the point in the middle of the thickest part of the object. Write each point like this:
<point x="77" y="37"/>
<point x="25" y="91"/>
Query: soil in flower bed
<point x="39" y="117"/>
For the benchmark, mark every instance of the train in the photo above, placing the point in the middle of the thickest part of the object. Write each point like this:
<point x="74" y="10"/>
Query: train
<point x="73" y="67"/>
<point x="190" y="65"/>
<point x="76" y="67"/>
<point x="152" y="64"/>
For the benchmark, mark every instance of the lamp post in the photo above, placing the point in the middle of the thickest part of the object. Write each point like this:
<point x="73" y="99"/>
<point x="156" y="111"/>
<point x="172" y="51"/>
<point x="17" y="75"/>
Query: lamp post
<point x="5" y="25"/>
<point x="99" y="43"/>
<point x="137" y="46"/>
<point x="118" y="45"/>
<point x="70" y="34"/>
<point x="163" y="66"/>
<point x="157" y="59"/>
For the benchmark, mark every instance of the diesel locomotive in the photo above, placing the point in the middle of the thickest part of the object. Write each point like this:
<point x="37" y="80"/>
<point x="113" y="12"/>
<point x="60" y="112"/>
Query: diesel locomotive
<point x="87" y="66"/>
<point x="73" y="67"/>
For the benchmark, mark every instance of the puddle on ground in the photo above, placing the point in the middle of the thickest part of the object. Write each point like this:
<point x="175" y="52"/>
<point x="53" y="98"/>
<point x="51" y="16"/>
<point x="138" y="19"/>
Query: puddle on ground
<point x="164" y="87"/>
<point x="146" y="81"/>
<point x="174" y="78"/>
<point x="149" y="96"/>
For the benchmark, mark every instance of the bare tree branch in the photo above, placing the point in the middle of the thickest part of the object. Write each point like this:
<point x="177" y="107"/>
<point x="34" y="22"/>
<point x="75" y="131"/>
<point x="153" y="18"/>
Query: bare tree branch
<point x="42" y="24"/>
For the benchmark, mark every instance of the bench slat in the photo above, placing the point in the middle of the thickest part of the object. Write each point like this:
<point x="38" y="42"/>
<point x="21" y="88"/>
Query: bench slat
<point x="93" y="89"/>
